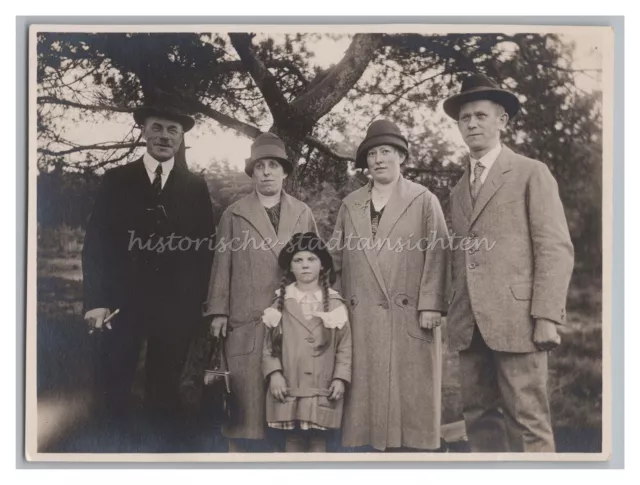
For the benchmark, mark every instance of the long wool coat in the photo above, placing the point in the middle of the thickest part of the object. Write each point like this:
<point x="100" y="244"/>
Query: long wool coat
<point x="312" y="358"/>
<point x="395" y="397"/>
<point x="244" y="277"/>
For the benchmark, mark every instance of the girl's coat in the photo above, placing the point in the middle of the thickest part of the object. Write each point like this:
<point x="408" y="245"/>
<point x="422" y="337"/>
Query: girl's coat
<point x="312" y="356"/>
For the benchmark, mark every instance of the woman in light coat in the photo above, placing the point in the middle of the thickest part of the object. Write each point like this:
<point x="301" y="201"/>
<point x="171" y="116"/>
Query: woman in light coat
<point x="390" y="248"/>
<point x="245" y="275"/>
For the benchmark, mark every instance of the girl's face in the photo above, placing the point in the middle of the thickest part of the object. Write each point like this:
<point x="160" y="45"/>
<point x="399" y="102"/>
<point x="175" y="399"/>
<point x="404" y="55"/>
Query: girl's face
<point x="306" y="267"/>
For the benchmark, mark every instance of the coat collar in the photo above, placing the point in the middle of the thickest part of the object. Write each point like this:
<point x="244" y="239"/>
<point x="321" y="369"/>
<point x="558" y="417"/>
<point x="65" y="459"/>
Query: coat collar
<point x="495" y="178"/>
<point x="250" y="208"/>
<point x="494" y="181"/>
<point x="358" y="204"/>
<point x="403" y="194"/>
<point x="295" y="310"/>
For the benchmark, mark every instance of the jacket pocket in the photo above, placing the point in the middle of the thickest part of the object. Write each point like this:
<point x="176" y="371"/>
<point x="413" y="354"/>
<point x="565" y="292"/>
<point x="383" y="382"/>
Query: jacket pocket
<point x="411" y="318"/>
<point x="241" y="337"/>
<point x="522" y="291"/>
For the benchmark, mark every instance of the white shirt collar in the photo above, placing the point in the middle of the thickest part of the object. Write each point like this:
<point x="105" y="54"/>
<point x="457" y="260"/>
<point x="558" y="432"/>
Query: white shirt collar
<point x="487" y="160"/>
<point x="292" y="291"/>
<point x="152" y="164"/>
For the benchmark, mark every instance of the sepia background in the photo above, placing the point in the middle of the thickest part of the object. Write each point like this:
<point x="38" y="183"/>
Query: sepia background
<point x="319" y="92"/>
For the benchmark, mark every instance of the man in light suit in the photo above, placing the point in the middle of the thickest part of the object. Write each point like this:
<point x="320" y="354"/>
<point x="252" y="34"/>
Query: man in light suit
<point x="512" y="262"/>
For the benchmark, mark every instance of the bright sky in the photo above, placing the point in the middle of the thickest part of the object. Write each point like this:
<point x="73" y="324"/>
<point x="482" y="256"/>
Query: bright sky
<point x="207" y="142"/>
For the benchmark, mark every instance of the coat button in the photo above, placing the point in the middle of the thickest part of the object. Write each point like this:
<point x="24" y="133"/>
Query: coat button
<point x="472" y="265"/>
<point x="405" y="301"/>
<point x="472" y="251"/>
<point x="472" y="235"/>
<point x="310" y="339"/>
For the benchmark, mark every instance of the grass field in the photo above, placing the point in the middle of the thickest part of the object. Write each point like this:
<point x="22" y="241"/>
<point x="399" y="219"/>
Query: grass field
<point x="575" y="367"/>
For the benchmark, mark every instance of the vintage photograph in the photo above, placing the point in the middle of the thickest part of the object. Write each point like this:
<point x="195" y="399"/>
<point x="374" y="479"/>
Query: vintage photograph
<point x="319" y="242"/>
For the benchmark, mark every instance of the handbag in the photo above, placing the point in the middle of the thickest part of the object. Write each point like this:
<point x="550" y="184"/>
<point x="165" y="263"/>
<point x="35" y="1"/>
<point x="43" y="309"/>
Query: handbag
<point x="218" y="400"/>
<point x="192" y="378"/>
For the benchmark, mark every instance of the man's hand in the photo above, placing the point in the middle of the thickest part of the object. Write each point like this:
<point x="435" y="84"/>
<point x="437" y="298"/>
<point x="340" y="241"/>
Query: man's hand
<point x="278" y="386"/>
<point x="219" y="326"/>
<point x="545" y="334"/>
<point x="430" y="319"/>
<point x="96" y="317"/>
<point x="336" y="389"/>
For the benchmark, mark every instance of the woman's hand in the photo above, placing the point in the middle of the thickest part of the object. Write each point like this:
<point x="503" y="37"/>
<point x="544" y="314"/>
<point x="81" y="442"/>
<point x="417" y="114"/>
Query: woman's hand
<point x="278" y="386"/>
<point x="337" y="389"/>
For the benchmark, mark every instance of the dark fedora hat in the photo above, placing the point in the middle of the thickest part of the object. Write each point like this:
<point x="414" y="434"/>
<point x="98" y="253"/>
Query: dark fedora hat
<point x="478" y="87"/>
<point x="268" y="145"/>
<point x="167" y="112"/>
<point x="307" y="241"/>
<point x="380" y="132"/>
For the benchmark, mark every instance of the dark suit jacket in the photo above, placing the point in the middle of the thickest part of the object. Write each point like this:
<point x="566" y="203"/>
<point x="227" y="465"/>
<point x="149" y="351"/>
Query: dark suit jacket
<point x="517" y="258"/>
<point x="141" y="253"/>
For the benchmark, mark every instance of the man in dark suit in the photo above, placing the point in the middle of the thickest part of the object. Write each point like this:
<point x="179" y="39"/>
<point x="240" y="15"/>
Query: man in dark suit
<point x="511" y="273"/>
<point x="147" y="254"/>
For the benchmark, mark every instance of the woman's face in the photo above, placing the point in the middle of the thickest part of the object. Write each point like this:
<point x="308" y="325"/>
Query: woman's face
<point x="306" y="267"/>
<point x="384" y="163"/>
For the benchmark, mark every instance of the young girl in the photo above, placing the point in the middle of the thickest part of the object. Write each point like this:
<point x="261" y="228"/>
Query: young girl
<point x="306" y="357"/>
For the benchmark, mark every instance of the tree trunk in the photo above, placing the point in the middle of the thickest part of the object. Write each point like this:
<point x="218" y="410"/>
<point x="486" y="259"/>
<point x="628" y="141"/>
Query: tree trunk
<point x="181" y="156"/>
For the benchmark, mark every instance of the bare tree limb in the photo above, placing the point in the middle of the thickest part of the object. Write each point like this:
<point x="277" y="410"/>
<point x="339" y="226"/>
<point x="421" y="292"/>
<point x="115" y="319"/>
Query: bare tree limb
<point x="326" y="149"/>
<point x="240" y="66"/>
<point x="262" y="77"/>
<point x="319" y="100"/>
<point x="226" y="120"/>
<point x="97" y="146"/>
<point x="90" y="107"/>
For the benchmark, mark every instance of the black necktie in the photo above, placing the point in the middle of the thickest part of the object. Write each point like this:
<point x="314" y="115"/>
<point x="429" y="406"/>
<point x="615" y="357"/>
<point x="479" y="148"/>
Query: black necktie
<point x="157" y="181"/>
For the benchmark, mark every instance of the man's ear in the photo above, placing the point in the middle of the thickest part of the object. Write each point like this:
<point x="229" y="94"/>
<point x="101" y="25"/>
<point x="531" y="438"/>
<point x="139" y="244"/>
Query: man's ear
<point x="504" y="117"/>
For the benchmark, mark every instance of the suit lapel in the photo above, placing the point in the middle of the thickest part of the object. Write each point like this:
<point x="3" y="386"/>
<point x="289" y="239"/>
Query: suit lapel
<point x="463" y="194"/>
<point x="172" y="181"/>
<point x="142" y="179"/>
<point x="403" y="194"/>
<point x="494" y="181"/>
<point x="250" y="209"/>
<point x="359" y="210"/>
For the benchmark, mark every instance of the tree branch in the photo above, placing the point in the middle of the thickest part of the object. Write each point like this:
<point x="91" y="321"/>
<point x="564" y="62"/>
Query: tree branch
<point x="320" y="99"/>
<point x="225" y="120"/>
<point x="239" y="66"/>
<point x="73" y="104"/>
<point x="260" y="73"/>
<point x="326" y="149"/>
<point x="97" y="146"/>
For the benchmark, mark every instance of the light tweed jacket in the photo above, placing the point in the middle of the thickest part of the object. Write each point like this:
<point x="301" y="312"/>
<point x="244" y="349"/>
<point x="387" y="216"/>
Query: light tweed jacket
<point x="512" y="255"/>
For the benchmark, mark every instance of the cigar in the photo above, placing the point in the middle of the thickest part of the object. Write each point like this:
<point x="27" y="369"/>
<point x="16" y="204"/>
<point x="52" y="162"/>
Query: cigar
<point x="107" y="320"/>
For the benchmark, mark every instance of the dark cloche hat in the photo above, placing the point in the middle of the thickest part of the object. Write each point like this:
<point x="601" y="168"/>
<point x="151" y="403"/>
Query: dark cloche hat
<point x="268" y="145"/>
<point x="380" y="132"/>
<point x="478" y="87"/>
<point x="307" y="241"/>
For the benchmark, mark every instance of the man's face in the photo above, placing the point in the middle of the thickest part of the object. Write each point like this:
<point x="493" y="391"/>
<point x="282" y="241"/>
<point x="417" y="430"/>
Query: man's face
<point x="384" y="163"/>
<point x="268" y="176"/>
<point x="480" y="123"/>
<point x="163" y="137"/>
